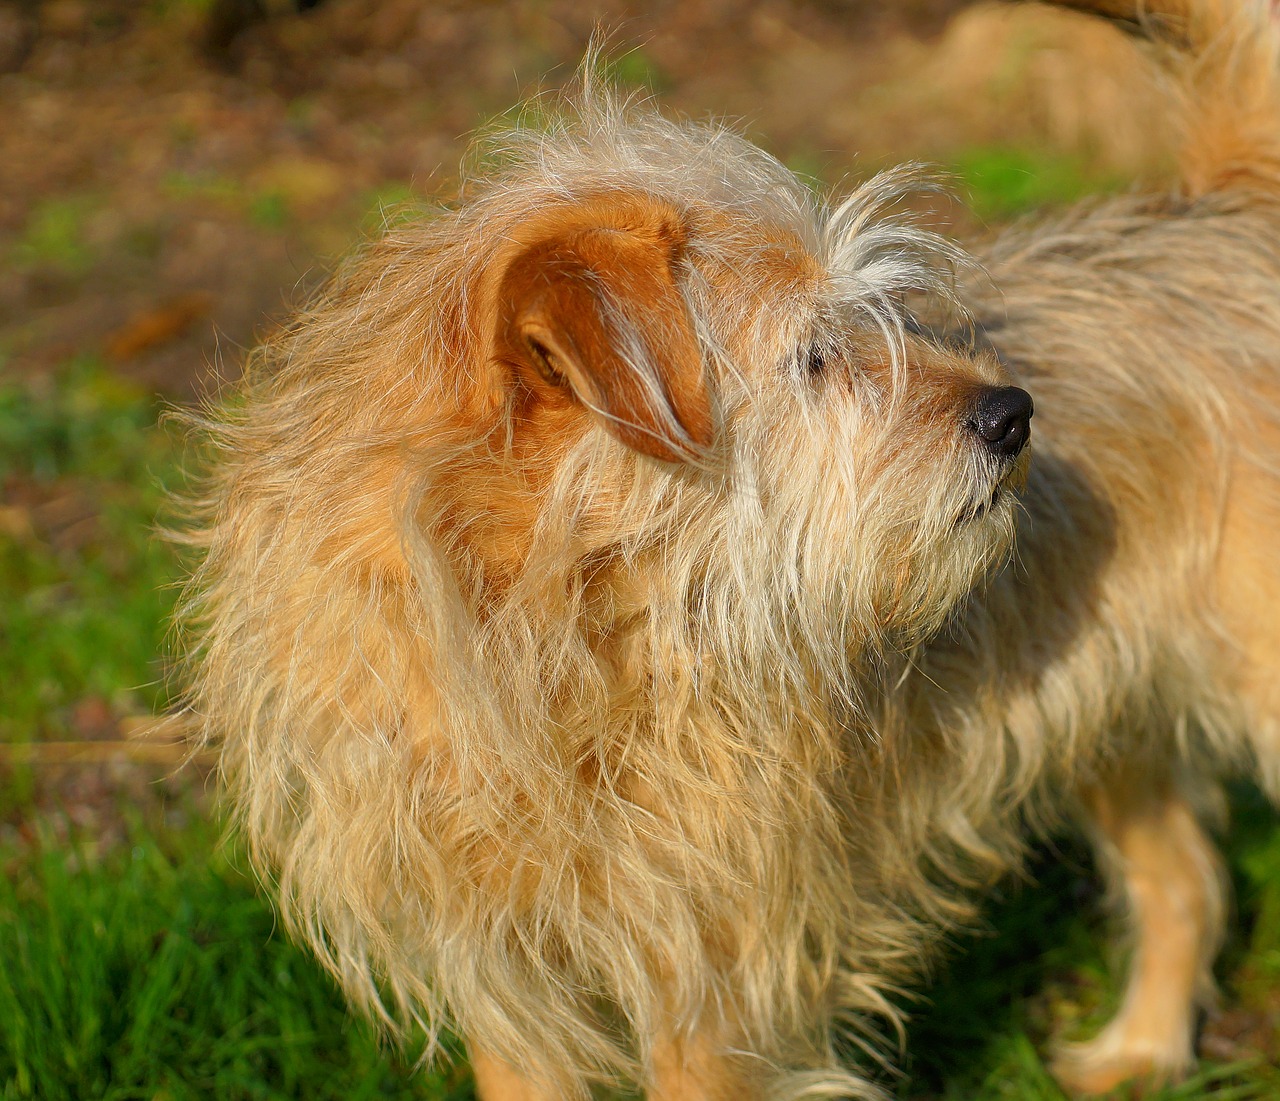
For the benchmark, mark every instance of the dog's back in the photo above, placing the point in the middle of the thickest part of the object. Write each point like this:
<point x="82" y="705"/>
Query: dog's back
<point x="1149" y="330"/>
<point x="1131" y="654"/>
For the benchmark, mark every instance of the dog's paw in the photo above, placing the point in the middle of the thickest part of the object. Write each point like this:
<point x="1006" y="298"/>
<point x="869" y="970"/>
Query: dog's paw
<point x="1117" y="1057"/>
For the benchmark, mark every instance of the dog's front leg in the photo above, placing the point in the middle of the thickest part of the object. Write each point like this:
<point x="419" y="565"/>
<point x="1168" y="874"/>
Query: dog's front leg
<point x="1151" y="846"/>
<point x="699" y="1068"/>
<point x="703" y="1067"/>
<point x="497" y="1080"/>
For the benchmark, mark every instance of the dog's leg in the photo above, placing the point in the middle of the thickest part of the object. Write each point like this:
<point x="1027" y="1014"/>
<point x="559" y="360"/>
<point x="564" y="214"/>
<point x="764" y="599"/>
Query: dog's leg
<point x="497" y="1080"/>
<point x="700" y="1068"/>
<point x="1154" y="850"/>
<point x="695" y="1069"/>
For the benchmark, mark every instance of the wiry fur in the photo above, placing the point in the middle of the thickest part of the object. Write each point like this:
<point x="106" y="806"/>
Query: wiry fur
<point x="558" y="744"/>
<point x="606" y="760"/>
<point x="1130" y="656"/>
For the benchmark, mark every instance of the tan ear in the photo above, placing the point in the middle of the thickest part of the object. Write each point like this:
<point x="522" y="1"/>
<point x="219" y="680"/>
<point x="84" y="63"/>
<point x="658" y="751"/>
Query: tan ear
<point x="594" y="308"/>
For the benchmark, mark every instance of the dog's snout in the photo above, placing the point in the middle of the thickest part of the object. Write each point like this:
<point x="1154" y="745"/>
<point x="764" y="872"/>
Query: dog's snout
<point x="1002" y="419"/>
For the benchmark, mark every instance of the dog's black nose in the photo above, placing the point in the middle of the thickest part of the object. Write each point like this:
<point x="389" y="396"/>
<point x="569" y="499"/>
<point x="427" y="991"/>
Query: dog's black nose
<point x="1002" y="418"/>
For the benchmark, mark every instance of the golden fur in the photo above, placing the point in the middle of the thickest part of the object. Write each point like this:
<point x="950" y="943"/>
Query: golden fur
<point x="1132" y="655"/>
<point x="560" y="561"/>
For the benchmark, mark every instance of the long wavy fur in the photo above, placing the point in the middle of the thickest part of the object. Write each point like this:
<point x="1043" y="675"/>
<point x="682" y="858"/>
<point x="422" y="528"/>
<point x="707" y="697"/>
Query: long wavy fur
<point x="554" y="788"/>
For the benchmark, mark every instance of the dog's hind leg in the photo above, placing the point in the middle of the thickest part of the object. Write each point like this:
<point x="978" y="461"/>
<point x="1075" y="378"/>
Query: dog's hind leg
<point x="1154" y="850"/>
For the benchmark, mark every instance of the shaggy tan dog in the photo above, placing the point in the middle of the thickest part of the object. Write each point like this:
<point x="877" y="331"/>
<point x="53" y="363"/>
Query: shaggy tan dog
<point x="546" y="557"/>
<point x="560" y="559"/>
<point x="1133" y="654"/>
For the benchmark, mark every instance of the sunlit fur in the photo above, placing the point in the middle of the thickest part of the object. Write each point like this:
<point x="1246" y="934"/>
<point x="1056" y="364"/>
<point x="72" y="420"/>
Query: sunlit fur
<point x="559" y="745"/>
<point x="1130" y="656"/>
<point x="608" y="761"/>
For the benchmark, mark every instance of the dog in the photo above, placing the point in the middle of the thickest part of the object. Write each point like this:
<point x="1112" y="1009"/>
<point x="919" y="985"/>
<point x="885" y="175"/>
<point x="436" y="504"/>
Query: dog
<point x="1131" y="658"/>
<point x="602" y="616"/>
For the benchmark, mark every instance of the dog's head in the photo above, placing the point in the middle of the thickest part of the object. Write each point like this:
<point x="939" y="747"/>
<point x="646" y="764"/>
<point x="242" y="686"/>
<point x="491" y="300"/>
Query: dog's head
<point x="664" y="362"/>
<point x="639" y="371"/>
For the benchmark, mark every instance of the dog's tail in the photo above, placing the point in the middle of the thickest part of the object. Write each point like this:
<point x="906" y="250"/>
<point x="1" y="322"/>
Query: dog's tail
<point x="1224" y="56"/>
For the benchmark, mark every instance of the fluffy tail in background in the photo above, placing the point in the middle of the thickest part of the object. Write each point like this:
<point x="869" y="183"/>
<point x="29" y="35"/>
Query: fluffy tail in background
<point x="1224" y="57"/>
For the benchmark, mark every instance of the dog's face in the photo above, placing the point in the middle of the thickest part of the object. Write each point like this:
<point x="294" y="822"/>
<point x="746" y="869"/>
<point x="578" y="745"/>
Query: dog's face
<point x="717" y="406"/>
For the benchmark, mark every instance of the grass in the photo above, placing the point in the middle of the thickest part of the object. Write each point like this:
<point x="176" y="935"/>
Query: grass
<point x="1000" y="183"/>
<point x="82" y="579"/>
<point x="54" y="236"/>
<point x="157" y="972"/>
<point x="997" y="183"/>
<point x="152" y="968"/>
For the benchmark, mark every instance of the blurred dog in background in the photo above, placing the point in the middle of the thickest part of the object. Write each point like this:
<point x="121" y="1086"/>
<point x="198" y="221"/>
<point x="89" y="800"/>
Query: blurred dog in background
<point x="1132" y="656"/>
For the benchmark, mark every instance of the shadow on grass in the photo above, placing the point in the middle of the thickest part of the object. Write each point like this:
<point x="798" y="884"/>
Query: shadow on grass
<point x="976" y="1031"/>
<point x="1040" y="967"/>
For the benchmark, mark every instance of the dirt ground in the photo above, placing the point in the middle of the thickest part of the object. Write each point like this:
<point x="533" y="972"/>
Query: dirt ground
<point x="172" y="180"/>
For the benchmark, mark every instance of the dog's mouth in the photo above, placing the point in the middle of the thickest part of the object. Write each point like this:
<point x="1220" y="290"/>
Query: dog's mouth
<point x="1013" y="479"/>
<point x="982" y="508"/>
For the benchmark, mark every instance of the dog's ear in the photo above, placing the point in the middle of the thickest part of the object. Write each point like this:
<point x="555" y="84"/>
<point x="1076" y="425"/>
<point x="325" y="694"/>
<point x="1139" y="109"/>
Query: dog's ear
<point x="593" y="308"/>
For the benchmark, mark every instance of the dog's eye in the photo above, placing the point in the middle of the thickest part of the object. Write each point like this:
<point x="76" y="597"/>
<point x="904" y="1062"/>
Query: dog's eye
<point x="542" y="360"/>
<point x="813" y="361"/>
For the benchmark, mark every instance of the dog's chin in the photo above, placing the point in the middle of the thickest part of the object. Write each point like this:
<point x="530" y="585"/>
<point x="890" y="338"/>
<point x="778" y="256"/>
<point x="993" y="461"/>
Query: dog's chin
<point x="984" y="508"/>
<point x="983" y="535"/>
<point x="1000" y="499"/>
<point x="995" y="505"/>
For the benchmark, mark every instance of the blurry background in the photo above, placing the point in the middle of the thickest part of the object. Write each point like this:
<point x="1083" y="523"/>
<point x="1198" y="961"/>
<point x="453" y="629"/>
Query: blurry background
<point x="174" y="176"/>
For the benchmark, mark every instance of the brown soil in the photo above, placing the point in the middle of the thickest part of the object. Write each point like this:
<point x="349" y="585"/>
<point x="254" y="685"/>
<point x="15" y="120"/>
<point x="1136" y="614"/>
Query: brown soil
<point x="174" y="180"/>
